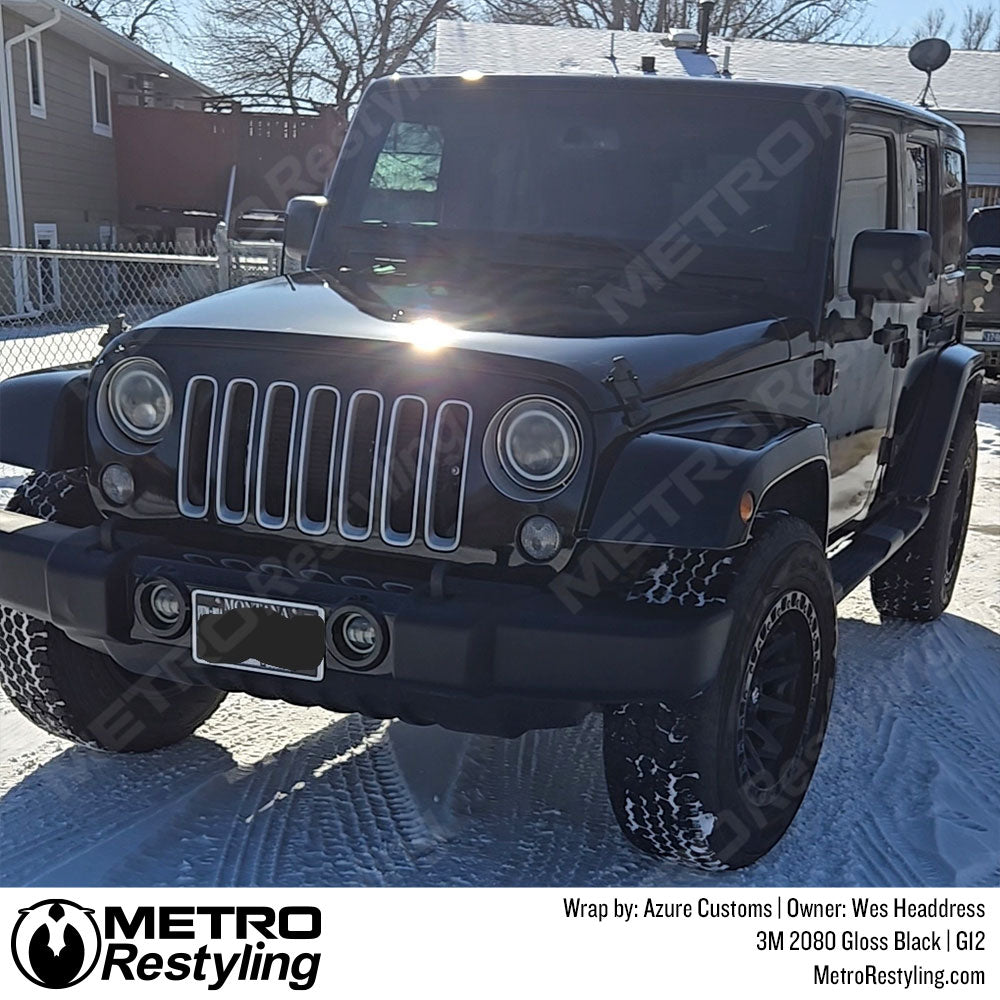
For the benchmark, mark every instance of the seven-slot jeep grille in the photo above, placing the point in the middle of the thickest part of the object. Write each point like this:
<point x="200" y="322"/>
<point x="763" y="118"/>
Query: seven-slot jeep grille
<point x="321" y="462"/>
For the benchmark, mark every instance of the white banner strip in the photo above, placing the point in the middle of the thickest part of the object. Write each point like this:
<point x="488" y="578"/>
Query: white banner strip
<point x="506" y="943"/>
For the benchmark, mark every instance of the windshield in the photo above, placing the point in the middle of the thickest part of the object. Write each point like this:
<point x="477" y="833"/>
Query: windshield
<point x="984" y="228"/>
<point x="527" y="203"/>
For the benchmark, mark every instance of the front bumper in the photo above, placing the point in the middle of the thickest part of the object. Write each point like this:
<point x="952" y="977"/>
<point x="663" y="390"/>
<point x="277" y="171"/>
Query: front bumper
<point x="465" y="653"/>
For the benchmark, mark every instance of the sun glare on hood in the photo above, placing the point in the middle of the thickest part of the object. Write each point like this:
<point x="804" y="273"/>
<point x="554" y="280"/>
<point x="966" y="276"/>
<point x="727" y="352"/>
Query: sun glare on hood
<point x="429" y="335"/>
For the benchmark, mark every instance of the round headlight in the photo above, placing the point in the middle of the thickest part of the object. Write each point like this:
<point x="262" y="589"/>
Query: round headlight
<point x="538" y="444"/>
<point x="139" y="399"/>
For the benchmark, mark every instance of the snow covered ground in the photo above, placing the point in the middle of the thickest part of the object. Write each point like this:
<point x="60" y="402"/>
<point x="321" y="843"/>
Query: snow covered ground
<point x="907" y="791"/>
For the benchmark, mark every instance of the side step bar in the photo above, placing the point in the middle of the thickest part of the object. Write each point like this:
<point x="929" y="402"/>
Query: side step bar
<point x="875" y="545"/>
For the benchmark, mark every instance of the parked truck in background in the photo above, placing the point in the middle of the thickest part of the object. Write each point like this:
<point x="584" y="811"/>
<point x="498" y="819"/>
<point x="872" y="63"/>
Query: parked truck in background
<point x="982" y="286"/>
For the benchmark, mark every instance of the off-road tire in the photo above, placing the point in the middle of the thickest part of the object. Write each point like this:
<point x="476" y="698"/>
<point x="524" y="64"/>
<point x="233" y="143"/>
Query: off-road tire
<point x="918" y="582"/>
<point x="74" y="692"/>
<point x="680" y="776"/>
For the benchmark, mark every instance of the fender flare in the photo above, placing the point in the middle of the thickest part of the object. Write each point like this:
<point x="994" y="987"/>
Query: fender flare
<point x="43" y="419"/>
<point x="668" y="490"/>
<point x="942" y="393"/>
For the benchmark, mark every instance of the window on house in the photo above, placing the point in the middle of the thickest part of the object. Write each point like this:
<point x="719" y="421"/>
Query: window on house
<point x="100" y="97"/>
<point x="36" y="78"/>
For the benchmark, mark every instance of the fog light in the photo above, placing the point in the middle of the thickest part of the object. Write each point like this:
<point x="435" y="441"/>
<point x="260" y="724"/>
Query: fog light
<point x="118" y="485"/>
<point x="161" y="606"/>
<point x="358" y="638"/>
<point x="166" y="604"/>
<point x="360" y="634"/>
<point x="539" y="538"/>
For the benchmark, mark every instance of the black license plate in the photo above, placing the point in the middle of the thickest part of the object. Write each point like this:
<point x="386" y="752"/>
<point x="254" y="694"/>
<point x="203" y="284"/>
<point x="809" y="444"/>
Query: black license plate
<point x="266" y="637"/>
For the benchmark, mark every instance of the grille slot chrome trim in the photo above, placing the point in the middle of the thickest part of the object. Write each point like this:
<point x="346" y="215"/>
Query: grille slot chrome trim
<point x="264" y="518"/>
<point x="304" y="522"/>
<point x="348" y="530"/>
<point x="184" y="504"/>
<point x="432" y="539"/>
<point x="392" y="458"/>
<point x="282" y="492"/>
<point x="225" y="513"/>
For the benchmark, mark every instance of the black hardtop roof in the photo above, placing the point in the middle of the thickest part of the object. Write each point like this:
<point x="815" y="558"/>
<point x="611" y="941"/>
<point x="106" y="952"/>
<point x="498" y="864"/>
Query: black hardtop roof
<point x="751" y="88"/>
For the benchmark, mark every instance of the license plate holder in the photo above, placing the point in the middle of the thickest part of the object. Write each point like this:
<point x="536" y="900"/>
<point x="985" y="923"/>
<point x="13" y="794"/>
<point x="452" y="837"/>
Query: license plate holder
<point x="257" y="631"/>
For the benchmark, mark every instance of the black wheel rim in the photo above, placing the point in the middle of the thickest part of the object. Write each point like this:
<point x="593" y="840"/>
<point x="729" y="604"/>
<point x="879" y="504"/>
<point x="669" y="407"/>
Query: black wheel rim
<point x="778" y="697"/>
<point x="959" y="521"/>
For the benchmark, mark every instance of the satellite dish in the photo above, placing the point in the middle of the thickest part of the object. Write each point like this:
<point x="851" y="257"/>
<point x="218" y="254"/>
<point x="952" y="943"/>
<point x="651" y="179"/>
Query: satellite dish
<point x="928" y="55"/>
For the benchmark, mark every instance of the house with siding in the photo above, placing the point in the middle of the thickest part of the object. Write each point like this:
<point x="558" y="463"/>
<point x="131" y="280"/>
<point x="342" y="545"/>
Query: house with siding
<point x="64" y="75"/>
<point x="966" y="89"/>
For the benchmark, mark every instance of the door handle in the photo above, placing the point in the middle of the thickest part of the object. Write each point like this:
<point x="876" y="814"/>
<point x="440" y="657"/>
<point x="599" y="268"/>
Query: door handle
<point x="890" y="333"/>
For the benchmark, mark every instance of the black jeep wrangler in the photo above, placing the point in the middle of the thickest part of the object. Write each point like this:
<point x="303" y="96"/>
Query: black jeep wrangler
<point x="591" y="394"/>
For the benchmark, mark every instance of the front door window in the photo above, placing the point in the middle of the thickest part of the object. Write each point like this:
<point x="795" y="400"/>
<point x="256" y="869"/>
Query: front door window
<point x="858" y="411"/>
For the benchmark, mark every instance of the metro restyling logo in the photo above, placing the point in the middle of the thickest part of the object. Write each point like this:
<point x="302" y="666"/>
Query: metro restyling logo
<point x="57" y="943"/>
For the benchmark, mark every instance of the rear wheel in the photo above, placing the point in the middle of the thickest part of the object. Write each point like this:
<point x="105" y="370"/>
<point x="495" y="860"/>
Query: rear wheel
<point x="919" y="581"/>
<point x="74" y="692"/>
<point x="715" y="782"/>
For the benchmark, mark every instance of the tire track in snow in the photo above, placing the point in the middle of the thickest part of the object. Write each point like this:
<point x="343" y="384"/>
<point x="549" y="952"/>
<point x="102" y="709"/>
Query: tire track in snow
<point x="906" y="789"/>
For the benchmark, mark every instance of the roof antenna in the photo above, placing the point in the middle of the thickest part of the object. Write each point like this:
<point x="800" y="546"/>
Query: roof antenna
<point x="928" y="55"/>
<point x="611" y="54"/>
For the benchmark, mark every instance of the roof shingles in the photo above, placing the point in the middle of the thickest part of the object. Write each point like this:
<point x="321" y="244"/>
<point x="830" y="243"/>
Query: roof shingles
<point x="968" y="83"/>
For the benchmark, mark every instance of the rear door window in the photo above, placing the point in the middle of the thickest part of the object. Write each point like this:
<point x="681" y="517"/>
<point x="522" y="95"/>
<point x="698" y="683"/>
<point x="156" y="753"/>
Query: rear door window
<point x="918" y="188"/>
<point x="952" y="208"/>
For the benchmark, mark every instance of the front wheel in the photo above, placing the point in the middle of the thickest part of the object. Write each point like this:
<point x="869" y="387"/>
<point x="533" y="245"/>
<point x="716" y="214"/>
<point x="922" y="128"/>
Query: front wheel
<point x="74" y="692"/>
<point x="715" y="782"/>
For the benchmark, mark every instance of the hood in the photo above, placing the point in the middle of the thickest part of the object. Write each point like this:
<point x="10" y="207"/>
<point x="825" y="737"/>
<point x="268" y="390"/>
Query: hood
<point x="307" y="305"/>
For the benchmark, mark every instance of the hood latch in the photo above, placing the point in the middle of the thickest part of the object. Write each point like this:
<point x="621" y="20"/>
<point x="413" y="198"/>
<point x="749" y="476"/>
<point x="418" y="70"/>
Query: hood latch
<point x="624" y="383"/>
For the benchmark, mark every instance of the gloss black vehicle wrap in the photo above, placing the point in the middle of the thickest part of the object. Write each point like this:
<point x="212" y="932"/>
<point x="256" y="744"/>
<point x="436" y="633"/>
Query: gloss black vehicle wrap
<point x="336" y="434"/>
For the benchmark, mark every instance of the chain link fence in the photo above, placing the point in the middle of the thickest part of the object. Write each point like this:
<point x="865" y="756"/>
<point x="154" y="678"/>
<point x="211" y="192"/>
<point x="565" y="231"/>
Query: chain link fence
<point x="56" y="304"/>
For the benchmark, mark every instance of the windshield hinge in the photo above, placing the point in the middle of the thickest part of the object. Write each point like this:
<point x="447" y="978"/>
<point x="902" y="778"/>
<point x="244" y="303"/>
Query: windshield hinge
<point x="624" y="383"/>
<point x="116" y="327"/>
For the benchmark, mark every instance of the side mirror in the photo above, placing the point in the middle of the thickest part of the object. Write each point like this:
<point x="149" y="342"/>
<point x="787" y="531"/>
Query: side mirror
<point x="301" y="218"/>
<point x="890" y="265"/>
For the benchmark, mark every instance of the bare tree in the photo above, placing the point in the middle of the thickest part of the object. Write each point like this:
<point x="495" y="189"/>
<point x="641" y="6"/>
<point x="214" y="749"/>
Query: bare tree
<point x="315" y="51"/>
<point x="977" y="23"/>
<point x="148" y="21"/>
<point x="974" y="31"/>
<point x="933" y="24"/>
<point x="793" y="20"/>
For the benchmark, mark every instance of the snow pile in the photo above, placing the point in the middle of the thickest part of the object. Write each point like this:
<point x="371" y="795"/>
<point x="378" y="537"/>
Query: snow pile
<point x="907" y="791"/>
